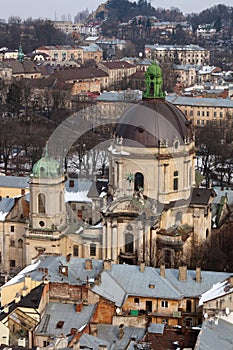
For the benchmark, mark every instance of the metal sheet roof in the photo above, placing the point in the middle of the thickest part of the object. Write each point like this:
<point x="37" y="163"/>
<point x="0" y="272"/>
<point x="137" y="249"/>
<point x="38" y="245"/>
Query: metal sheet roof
<point x="14" y="181"/>
<point x="55" y="312"/>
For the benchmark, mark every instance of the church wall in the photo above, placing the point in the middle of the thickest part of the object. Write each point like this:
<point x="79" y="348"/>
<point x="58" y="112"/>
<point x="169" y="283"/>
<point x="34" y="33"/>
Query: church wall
<point x="35" y="246"/>
<point x="12" y="245"/>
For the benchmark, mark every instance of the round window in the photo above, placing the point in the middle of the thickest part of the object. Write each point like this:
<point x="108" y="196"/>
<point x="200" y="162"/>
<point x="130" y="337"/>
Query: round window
<point x="41" y="223"/>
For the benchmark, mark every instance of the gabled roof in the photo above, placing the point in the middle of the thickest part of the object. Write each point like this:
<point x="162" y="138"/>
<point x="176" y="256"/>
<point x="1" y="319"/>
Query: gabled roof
<point x="6" y="204"/>
<point x="117" y="64"/>
<point x="14" y="181"/>
<point x="25" y="67"/>
<point x="30" y="301"/>
<point x="90" y="342"/>
<point x="67" y="315"/>
<point x="215" y="335"/>
<point x="77" y="73"/>
<point x="124" y="280"/>
<point x="77" y="274"/>
<point x="201" y="196"/>
<point x="218" y="290"/>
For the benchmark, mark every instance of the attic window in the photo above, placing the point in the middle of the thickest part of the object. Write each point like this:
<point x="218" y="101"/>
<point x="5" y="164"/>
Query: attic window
<point x="60" y="324"/>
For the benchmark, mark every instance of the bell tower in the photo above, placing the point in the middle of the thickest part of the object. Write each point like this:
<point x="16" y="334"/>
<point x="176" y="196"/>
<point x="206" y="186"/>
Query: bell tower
<point x="47" y="220"/>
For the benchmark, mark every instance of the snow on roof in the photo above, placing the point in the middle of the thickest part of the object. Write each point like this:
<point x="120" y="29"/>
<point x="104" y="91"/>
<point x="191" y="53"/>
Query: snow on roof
<point x="219" y="289"/>
<point x="80" y="196"/>
<point x="6" y="204"/>
<point x="20" y="276"/>
<point x="114" y="151"/>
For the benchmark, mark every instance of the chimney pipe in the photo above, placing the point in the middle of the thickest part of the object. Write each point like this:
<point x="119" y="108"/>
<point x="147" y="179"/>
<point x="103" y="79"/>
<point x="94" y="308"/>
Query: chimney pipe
<point x="107" y="264"/>
<point x="162" y="270"/>
<point x="121" y="331"/>
<point x="142" y="267"/>
<point x="68" y="257"/>
<point x="88" y="264"/>
<point x="198" y="274"/>
<point x="182" y="273"/>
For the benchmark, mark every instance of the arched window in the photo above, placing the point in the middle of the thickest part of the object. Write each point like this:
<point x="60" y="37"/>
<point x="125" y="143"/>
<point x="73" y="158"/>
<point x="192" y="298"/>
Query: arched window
<point x="175" y="180"/>
<point x="128" y="243"/>
<point x="75" y="250"/>
<point x="138" y="181"/>
<point x="20" y="243"/>
<point x="41" y="203"/>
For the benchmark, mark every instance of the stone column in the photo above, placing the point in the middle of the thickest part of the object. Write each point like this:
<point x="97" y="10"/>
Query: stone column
<point x="114" y="243"/>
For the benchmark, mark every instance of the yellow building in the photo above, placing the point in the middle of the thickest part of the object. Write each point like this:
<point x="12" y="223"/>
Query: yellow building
<point x="12" y="186"/>
<point x="204" y="111"/>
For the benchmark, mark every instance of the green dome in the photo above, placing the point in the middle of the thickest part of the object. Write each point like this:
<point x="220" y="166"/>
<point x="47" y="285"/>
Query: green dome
<point x="154" y="69"/>
<point x="47" y="168"/>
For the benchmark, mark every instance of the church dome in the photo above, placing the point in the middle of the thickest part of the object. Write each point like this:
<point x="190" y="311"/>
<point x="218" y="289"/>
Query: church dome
<point x="47" y="168"/>
<point x="153" y="121"/>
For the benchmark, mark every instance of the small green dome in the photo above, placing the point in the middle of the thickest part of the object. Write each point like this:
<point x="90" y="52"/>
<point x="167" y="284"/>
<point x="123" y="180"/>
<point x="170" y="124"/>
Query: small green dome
<point x="47" y="168"/>
<point x="154" y="69"/>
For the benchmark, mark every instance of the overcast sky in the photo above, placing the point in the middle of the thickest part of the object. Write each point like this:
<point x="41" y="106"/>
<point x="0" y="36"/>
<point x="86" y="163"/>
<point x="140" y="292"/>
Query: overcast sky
<point x="55" y="9"/>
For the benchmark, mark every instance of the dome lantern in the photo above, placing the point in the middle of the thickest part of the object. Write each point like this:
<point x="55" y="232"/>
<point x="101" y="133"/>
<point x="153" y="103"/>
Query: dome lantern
<point x="154" y="82"/>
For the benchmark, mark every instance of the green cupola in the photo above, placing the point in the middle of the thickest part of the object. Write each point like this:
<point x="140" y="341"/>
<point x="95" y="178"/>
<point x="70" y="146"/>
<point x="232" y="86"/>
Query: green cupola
<point x="154" y="82"/>
<point x="47" y="168"/>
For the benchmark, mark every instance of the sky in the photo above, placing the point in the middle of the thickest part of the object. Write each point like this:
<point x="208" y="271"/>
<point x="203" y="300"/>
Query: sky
<point x="57" y="9"/>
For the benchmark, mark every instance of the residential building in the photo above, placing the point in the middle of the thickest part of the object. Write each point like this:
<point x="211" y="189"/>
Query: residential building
<point x="66" y="301"/>
<point x="92" y="52"/>
<point x="178" y="54"/>
<point x="12" y="186"/>
<point x="62" y="53"/>
<point x="117" y="70"/>
<point x="204" y="111"/>
<point x="186" y="74"/>
<point x="67" y="27"/>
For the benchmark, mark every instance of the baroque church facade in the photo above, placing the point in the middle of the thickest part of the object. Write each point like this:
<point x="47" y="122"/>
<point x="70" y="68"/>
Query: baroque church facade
<point x="152" y="211"/>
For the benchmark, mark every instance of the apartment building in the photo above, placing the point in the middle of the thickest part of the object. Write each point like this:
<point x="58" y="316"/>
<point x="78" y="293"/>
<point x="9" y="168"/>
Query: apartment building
<point x="62" y="53"/>
<point x="117" y="70"/>
<point x="184" y="54"/>
<point x="203" y="111"/>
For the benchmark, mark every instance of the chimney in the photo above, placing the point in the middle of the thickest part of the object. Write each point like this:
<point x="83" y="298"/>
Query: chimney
<point x="24" y="291"/>
<point x="17" y="297"/>
<point x="93" y="330"/>
<point x="142" y="267"/>
<point x="107" y="264"/>
<point x="231" y="281"/>
<point x="121" y="331"/>
<point x="28" y="283"/>
<point x="88" y="264"/>
<point x="68" y="257"/>
<point x="73" y="331"/>
<point x="6" y="308"/>
<point x="79" y="306"/>
<point x="162" y="270"/>
<point x="198" y="274"/>
<point x="182" y="273"/>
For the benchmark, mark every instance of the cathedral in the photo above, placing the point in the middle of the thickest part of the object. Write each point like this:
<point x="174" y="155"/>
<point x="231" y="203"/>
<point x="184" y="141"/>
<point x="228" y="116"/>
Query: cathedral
<point x="152" y="211"/>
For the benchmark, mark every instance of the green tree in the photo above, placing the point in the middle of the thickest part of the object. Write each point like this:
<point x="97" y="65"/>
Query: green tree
<point x="14" y="99"/>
